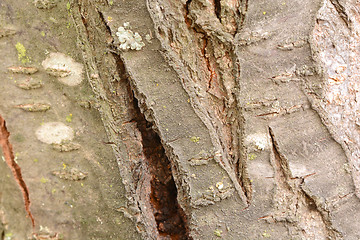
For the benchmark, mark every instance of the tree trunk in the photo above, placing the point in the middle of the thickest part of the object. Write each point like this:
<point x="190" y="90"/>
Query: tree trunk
<point x="227" y="119"/>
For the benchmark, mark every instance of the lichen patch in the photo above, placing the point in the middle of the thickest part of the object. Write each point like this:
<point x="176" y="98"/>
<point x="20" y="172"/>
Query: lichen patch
<point x="128" y="39"/>
<point x="54" y="133"/>
<point x="258" y="141"/>
<point x="65" y="68"/>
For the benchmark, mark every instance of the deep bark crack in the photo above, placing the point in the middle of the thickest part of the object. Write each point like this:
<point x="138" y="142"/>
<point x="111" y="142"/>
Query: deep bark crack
<point x="170" y="218"/>
<point x="151" y="163"/>
<point x="217" y="4"/>
<point x="282" y="167"/>
<point x="15" y="168"/>
<point x="188" y="20"/>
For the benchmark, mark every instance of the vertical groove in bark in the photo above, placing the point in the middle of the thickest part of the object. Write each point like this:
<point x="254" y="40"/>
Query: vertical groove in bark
<point x="295" y="205"/>
<point x="217" y="4"/>
<point x="147" y="171"/>
<point x="341" y="11"/>
<point x="170" y="218"/>
<point x="208" y="75"/>
<point x="15" y="168"/>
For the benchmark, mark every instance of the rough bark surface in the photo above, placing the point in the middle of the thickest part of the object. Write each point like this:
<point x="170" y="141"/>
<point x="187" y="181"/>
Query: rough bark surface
<point x="235" y="120"/>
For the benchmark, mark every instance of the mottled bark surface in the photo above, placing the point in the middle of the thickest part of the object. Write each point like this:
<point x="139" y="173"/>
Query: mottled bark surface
<point x="75" y="187"/>
<point x="235" y="120"/>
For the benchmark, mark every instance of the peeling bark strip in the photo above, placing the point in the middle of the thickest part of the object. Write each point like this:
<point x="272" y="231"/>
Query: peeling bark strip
<point x="15" y="168"/>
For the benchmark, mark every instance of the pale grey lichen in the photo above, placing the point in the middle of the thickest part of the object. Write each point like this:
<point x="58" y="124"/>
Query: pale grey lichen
<point x="54" y="133"/>
<point x="128" y="39"/>
<point x="258" y="141"/>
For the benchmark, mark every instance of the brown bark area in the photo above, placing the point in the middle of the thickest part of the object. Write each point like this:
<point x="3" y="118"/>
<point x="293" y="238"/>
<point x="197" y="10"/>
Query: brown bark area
<point x="235" y="119"/>
<point x="209" y="44"/>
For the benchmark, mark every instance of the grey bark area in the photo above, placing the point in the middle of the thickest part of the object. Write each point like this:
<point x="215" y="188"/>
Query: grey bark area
<point x="226" y="119"/>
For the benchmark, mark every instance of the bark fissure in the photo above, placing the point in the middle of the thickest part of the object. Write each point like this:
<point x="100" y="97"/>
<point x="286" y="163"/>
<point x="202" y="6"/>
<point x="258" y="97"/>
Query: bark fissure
<point x="188" y="20"/>
<point x="170" y="218"/>
<point x="210" y="68"/>
<point x="281" y="168"/>
<point x="218" y="61"/>
<point x="295" y="204"/>
<point x="341" y="11"/>
<point x="152" y="185"/>
<point x="217" y="4"/>
<point x="15" y="168"/>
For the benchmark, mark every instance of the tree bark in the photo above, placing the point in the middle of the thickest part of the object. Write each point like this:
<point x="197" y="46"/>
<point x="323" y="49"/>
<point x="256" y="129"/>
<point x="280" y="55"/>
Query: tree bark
<point x="227" y="119"/>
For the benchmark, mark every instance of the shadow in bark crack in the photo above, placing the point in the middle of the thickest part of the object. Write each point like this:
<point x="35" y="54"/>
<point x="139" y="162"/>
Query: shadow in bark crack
<point x="170" y="218"/>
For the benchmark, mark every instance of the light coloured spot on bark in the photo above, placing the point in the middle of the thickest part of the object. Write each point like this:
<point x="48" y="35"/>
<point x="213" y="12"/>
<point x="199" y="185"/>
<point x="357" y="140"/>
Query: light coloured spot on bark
<point x="54" y="133"/>
<point x="258" y="140"/>
<point x="128" y="39"/>
<point x="299" y="170"/>
<point x="66" y="69"/>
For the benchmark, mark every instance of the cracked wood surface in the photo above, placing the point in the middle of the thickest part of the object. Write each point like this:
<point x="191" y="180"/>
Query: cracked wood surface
<point x="225" y="97"/>
<point x="174" y="118"/>
<point x="232" y="90"/>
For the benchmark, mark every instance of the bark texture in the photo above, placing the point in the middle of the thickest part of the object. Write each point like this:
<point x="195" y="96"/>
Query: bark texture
<point x="259" y="161"/>
<point x="230" y="120"/>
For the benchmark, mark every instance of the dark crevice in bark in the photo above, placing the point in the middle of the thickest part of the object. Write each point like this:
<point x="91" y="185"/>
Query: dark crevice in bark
<point x="101" y="15"/>
<point x="188" y="20"/>
<point x="170" y="218"/>
<point x="15" y="168"/>
<point x="218" y="9"/>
